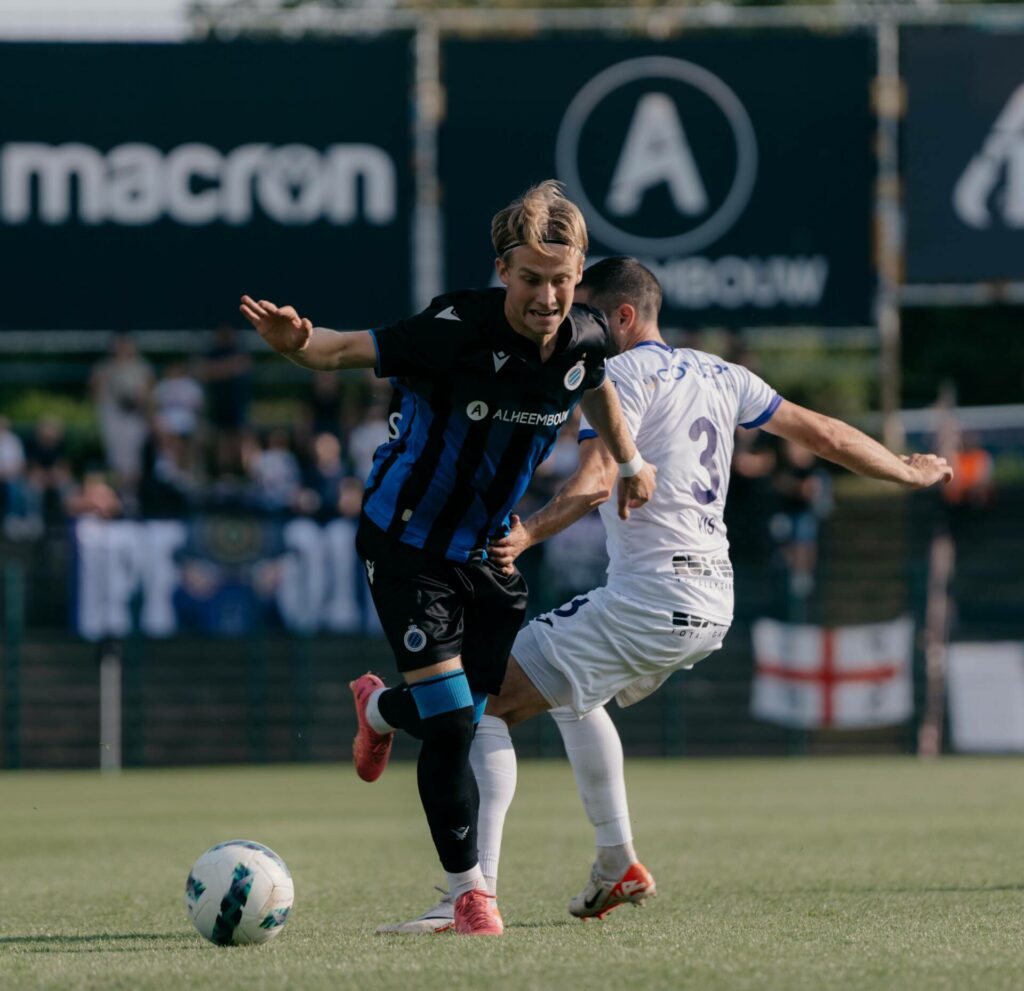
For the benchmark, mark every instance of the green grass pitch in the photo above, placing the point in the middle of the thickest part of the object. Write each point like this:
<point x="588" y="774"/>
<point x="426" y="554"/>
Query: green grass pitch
<point x="788" y="874"/>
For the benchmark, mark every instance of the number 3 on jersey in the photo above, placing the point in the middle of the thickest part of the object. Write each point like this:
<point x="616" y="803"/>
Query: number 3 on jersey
<point x="700" y="427"/>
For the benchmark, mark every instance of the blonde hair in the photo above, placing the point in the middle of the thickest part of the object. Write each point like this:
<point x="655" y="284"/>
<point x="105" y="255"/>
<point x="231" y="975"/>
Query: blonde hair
<point x="541" y="216"/>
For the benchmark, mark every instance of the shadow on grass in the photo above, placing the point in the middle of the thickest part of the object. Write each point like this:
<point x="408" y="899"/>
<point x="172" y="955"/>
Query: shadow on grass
<point x="56" y="942"/>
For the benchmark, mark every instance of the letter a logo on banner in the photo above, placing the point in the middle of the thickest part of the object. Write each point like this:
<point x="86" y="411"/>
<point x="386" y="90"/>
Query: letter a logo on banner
<point x="656" y="151"/>
<point x="1001" y="159"/>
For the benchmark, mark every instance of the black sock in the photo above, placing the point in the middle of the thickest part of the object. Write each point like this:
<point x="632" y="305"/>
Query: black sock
<point x="448" y="788"/>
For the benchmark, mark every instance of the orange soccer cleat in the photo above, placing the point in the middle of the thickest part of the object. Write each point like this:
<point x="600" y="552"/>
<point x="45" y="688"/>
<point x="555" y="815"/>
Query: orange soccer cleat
<point x="602" y="894"/>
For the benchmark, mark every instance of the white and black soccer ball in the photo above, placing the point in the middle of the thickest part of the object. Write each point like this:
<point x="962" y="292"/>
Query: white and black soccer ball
<point x="239" y="892"/>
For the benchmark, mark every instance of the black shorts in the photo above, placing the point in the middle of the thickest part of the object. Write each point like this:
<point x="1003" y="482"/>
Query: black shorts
<point x="433" y="609"/>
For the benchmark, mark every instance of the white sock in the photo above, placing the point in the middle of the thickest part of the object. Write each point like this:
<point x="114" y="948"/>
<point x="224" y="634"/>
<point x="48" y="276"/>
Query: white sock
<point x="459" y="884"/>
<point x="493" y="759"/>
<point x="374" y="718"/>
<point x="594" y="750"/>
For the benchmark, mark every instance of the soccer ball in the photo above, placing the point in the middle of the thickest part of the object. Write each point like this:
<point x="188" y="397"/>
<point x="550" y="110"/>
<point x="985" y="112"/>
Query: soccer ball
<point x="239" y="892"/>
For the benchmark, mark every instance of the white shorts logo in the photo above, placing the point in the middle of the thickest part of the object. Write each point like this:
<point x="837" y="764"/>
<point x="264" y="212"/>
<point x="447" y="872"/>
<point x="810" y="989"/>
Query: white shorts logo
<point x="656" y="150"/>
<point x="415" y="639"/>
<point x="477" y="409"/>
<point x="574" y="377"/>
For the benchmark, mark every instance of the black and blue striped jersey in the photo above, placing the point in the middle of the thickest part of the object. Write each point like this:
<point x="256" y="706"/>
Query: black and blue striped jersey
<point x="475" y="411"/>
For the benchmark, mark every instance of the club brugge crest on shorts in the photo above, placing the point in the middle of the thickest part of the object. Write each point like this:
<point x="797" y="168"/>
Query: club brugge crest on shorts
<point x="415" y="639"/>
<point x="574" y="377"/>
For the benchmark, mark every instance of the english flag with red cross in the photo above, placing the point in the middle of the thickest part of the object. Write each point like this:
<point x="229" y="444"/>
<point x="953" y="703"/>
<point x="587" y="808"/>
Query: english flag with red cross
<point x="849" y="677"/>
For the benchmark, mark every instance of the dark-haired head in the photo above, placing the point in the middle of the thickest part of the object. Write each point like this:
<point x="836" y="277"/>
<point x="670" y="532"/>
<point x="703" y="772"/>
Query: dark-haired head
<point x="614" y="281"/>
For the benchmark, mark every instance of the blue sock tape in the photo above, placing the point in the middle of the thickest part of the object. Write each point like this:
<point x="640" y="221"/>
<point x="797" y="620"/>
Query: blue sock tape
<point x="444" y="693"/>
<point x="479" y="704"/>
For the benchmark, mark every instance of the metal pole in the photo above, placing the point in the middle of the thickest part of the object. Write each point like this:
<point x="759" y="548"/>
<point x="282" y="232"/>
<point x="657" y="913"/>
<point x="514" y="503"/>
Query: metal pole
<point x="110" y="708"/>
<point x="428" y="268"/>
<point x="14" y="614"/>
<point x="889" y="105"/>
<point x="941" y="565"/>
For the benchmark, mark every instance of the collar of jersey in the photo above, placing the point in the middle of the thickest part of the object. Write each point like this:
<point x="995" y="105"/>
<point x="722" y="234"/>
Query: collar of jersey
<point x="654" y="344"/>
<point x="568" y="333"/>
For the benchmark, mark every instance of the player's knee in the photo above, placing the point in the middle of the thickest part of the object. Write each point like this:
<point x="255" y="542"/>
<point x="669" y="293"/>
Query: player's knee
<point x="446" y="707"/>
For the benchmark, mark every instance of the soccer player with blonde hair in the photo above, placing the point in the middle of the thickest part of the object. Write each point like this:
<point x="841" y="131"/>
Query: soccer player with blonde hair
<point x="483" y="380"/>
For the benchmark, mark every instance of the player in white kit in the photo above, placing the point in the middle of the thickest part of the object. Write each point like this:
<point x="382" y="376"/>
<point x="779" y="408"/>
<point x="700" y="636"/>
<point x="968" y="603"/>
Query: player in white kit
<point x="668" y="601"/>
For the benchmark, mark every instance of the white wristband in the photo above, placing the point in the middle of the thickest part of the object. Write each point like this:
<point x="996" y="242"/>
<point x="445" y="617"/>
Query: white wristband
<point x="632" y="467"/>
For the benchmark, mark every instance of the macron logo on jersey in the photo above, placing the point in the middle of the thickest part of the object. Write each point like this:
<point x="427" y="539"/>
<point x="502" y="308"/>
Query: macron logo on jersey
<point x="448" y="313"/>
<point x="499" y="360"/>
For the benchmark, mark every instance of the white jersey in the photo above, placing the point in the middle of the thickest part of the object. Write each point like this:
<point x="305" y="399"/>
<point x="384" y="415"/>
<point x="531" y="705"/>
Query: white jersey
<point x="683" y="407"/>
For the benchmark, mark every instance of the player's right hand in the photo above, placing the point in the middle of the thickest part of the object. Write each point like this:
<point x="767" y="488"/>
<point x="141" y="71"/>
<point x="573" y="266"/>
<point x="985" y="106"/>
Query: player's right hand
<point x="636" y="490"/>
<point x="281" y="327"/>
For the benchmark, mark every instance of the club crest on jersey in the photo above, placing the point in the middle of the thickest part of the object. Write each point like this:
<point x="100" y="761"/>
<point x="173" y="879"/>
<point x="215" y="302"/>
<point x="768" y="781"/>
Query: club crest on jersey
<point x="477" y="409"/>
<point x="415" y="639"/>
<point x="574" y="377"/>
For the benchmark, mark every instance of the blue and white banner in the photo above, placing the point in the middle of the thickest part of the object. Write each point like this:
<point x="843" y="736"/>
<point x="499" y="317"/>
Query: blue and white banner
<point x="216" y="576"/>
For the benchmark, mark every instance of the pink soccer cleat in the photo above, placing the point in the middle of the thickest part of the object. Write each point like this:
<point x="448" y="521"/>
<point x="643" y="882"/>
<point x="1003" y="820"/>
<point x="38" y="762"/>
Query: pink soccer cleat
<point x="370" y="749"/>
<point x="476" y="914"/>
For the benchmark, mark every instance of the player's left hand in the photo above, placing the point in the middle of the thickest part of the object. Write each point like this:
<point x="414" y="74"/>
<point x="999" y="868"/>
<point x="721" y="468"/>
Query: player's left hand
<point x="928" y="469"/>
<point x="504" y="552"/>
<point x="636" y="490"/>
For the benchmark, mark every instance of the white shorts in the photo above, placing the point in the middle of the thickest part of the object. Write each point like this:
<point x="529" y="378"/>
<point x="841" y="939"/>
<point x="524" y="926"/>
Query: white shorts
<point x="605" y="645"/>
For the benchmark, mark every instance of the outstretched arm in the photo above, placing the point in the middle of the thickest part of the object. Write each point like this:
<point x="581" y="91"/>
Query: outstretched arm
<point x="299" y="341"/>
<point x="588" y="487"/>
<point x="838" y="442"/>
<point x="603" y="411"/>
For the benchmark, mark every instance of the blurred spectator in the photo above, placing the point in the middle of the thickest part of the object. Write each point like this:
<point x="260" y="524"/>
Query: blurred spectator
<point x="324" y="479"/>
<point x="972" y="488"/>
<point x="576" y="558"/>
<point x="805" y="497"/>
<point x="751" y="495"/>
<point x="121" y="386"/>
<point x="12" y="480"/>
<point x="366" y="437"/>
<point x="178" y="400"/>
<point x="323" y="404"/>
<point x="275" y="473"/>
<point x="169" y="482"/>
<point x="48" y="471"/>
<point x="94" y="497"/>
<point x="350" y="497"/>
<point x="227" y="372"/>
<point x="972" y="483"/>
